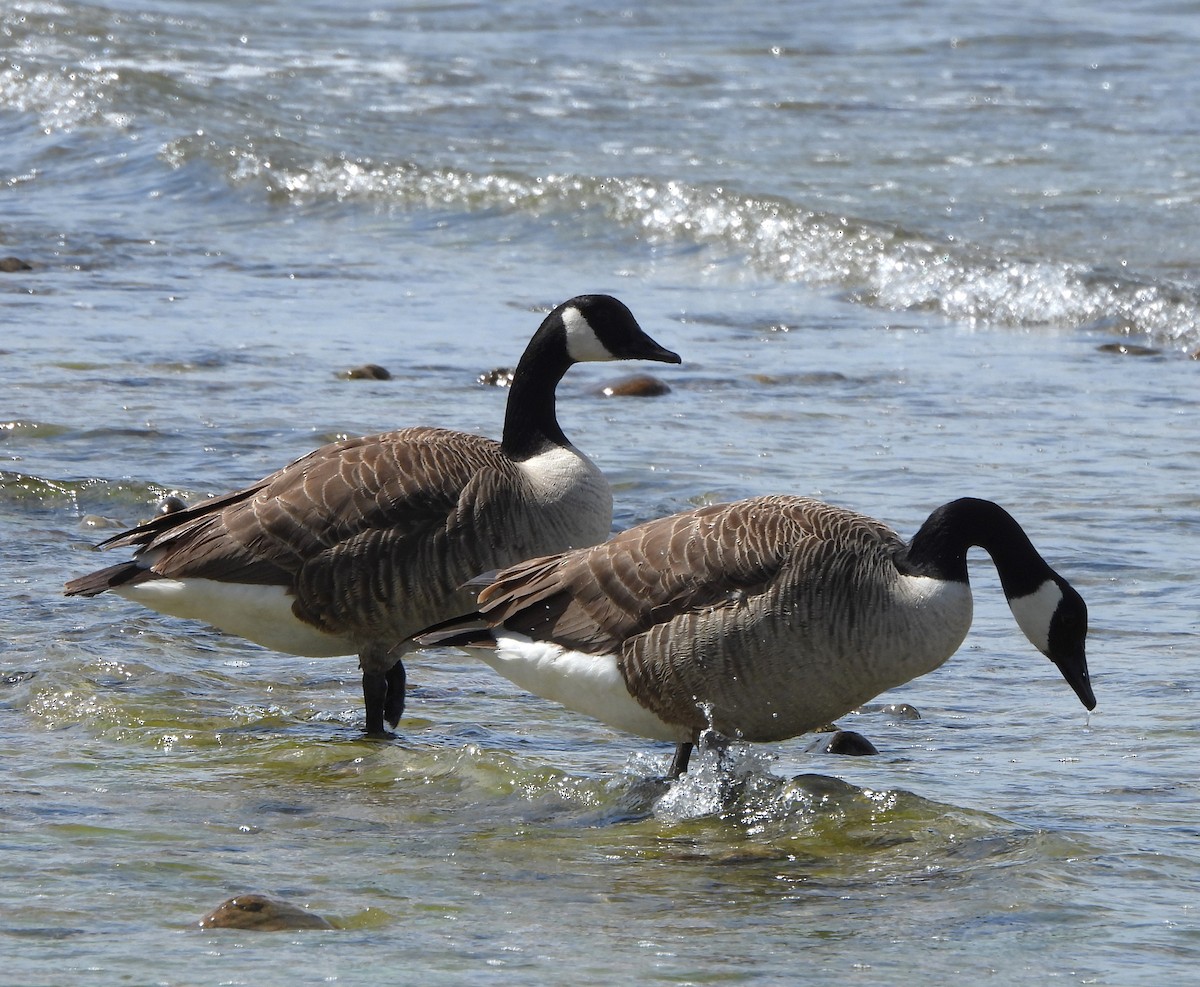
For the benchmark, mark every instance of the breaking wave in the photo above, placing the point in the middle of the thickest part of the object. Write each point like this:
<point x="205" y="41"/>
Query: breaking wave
<point x="870" y="263"/>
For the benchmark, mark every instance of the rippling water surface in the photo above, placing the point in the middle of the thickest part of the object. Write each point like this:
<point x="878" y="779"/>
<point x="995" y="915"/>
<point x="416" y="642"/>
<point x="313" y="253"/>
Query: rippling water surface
<point x="908" y="253"/>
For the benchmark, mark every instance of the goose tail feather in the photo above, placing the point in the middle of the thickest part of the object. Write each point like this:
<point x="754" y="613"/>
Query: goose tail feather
<point x="470" y="631"/>
<point x="95" y="583"/>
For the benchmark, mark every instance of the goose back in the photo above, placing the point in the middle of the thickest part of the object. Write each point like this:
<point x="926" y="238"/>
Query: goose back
<point x="371" y="537"/>
<point x="761" y="619"/>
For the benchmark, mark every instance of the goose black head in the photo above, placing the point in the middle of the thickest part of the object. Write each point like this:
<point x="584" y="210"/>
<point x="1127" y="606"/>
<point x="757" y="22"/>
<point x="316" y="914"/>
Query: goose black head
<point x="599" y="327"/>
<point x="1054" y="618"/>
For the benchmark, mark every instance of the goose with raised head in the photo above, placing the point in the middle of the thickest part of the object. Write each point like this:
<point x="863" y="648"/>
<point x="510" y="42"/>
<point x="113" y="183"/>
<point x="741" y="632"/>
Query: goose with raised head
<point x="760" y="620"/>
<point x="358" y="545"/>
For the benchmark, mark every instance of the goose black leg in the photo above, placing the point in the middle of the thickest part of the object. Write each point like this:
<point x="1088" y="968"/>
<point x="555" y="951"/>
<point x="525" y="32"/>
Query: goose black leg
<point x="383" y="693"/>
<point x="679" y="763"/>
<point x="393" y="705"/>
<point x="383" y="679"/>
<point x="375" y="695"/>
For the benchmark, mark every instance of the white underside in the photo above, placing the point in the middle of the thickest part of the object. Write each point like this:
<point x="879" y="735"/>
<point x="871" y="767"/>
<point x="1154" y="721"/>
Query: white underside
<point x="262" y="614"/>
<point x="589" y="684"/>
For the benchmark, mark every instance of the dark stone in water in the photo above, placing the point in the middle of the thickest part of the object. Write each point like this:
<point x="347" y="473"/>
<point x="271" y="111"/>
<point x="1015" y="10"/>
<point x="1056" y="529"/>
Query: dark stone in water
<point x="500" y="377"/>
<point x="11" y="265"/>
<point x="844" y="742"/>
<point x="259" y="913"/>
<point x="282" y="808"/>
<point x="635" y="386"/>
<point x="900" y="711"/>
<point x="1129" y="349"/>
<point x="99" y="521"/>
<point x="171" y="505"/>
<point x="897" y="711"/>
<point x="368" y="371"/>
<point x="823" y="785"/>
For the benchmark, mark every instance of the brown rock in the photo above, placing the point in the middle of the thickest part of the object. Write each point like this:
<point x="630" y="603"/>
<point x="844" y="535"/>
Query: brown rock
<point x="368" y="371"/>
<point x="635" y="386"/>
<point x="1129" y="349"/>
<point x="259" y="913"/>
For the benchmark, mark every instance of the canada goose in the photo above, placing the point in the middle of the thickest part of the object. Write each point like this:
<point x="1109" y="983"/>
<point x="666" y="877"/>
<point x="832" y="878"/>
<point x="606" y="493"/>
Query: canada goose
<point x="761" y="619"/>
<point x="361" y="543"/>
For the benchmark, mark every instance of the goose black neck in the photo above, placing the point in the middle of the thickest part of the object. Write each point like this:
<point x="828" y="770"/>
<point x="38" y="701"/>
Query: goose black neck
<point x="939" y="549"/>
<point x="530" y="421"/>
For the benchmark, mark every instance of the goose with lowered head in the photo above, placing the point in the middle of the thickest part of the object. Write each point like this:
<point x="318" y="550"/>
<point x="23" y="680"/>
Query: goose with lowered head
<point x="760" y="620"/>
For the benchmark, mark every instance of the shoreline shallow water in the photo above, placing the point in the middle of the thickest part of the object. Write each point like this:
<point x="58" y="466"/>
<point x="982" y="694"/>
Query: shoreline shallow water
<point x="225" y="207"/>
<point x="1004" y="818"/>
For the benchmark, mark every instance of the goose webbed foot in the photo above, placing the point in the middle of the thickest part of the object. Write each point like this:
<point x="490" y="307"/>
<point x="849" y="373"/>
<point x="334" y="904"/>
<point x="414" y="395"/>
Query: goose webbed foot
<point x="383" y="696"/>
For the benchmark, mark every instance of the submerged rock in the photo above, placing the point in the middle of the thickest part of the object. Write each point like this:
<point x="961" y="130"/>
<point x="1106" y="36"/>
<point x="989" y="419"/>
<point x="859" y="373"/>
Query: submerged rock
<point x="100" y="521"/>
<point x="11" y="265"/>
<point x="900" y="711"/>
<point x="844" y="742"/>
<point x="1129" y="349"/>
<point x="805" y="378"/>
<point x="260" y="913"/>
<point x="896" y="711"/>
<point x="368" y="371"/>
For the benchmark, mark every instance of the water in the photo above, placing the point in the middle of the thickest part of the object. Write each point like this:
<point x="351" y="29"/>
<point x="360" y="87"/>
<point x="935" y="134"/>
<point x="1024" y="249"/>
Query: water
<point x="889" y="241"/>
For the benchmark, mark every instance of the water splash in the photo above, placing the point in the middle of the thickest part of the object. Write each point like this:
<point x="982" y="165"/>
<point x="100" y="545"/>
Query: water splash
<point x="719" y="777"/>
<point x="63" y="97"/>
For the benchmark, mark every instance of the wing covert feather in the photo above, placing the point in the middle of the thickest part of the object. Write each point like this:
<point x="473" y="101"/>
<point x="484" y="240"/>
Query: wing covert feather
<point x="407" y="482"/>
<point x="596" y="599"/>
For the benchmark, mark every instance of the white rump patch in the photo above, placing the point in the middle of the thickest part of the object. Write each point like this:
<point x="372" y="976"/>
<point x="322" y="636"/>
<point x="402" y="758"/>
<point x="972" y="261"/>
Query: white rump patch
<point x="583" y="345"/>
<point x="262" y="614"/>
<point x="1035" y="611"/>
<point x="589" y="684"/>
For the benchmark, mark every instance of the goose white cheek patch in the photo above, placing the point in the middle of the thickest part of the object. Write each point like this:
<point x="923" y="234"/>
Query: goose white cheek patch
<point x="1035" y="611"/>
<point x="583" y="345"/>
